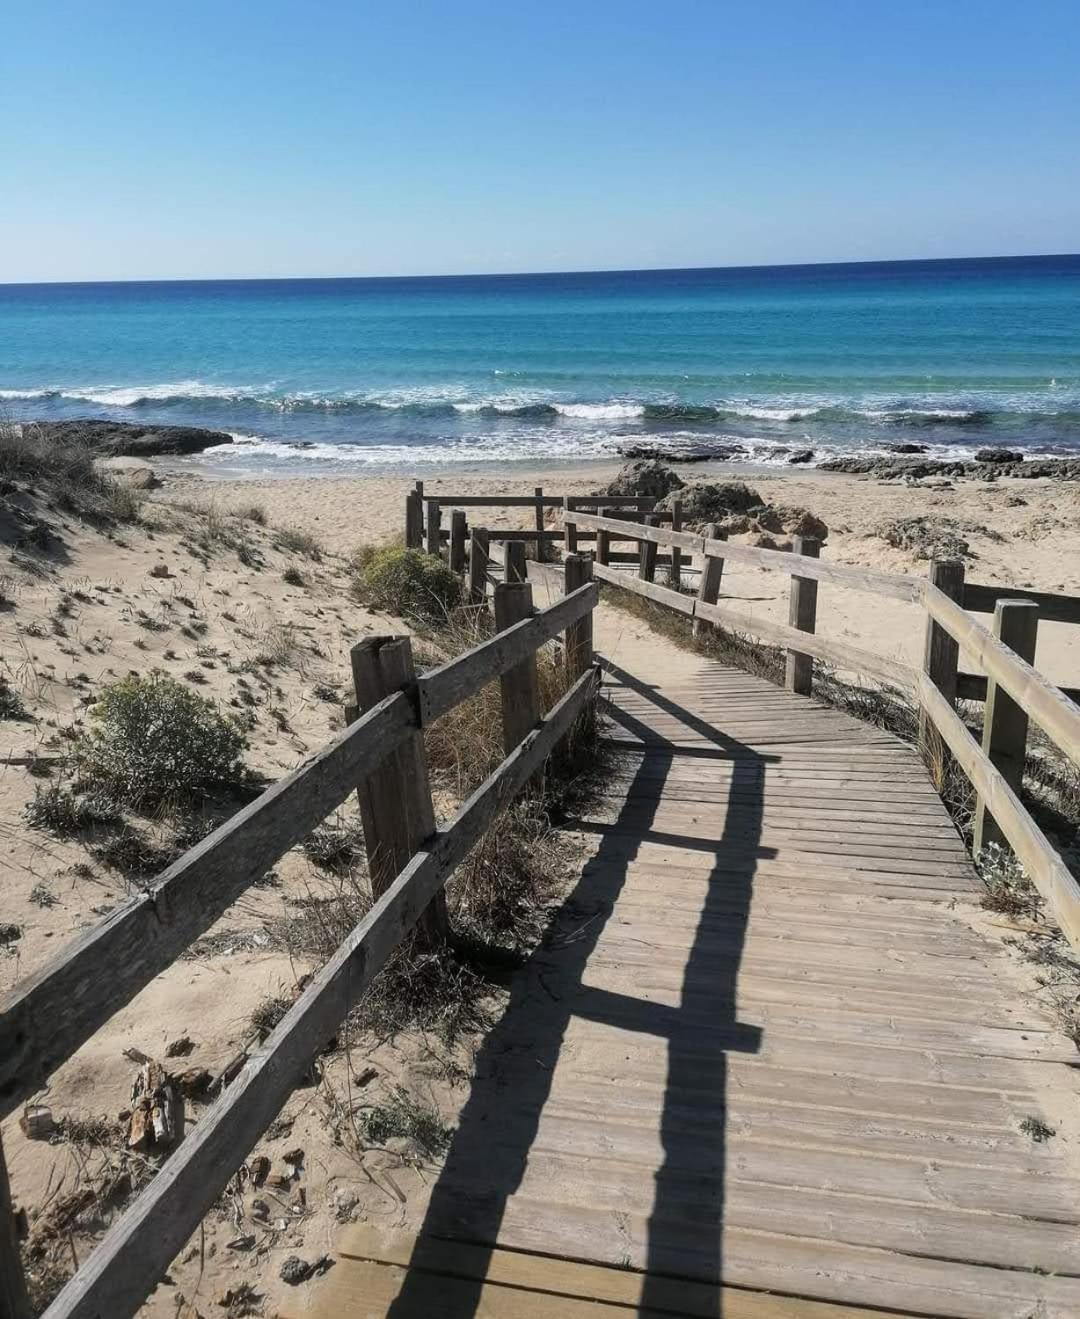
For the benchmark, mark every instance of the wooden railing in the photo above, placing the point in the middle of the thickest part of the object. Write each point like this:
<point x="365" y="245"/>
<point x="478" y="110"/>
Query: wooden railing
<point x="1012" y="688"/>
<point x="380" y="754"/>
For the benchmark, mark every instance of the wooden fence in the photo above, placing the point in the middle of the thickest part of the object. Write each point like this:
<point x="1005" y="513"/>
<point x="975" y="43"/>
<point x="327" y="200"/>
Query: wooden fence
<point x="380" y="754"/>
<point x="1013" y="690"/>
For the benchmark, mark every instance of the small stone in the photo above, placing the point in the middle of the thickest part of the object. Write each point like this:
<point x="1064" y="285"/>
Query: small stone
<point x="259" y="1169"/>
<point x="37" y="1122"/>
<point x="295" y="1157"/>
<point x="295" y="1270"/>
<point x="244" y="1242"/>
<point x="179" y="1048"/>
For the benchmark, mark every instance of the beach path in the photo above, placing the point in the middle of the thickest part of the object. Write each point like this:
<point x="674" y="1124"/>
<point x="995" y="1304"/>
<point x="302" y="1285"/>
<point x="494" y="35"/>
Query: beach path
<point x="770" y="1063"/>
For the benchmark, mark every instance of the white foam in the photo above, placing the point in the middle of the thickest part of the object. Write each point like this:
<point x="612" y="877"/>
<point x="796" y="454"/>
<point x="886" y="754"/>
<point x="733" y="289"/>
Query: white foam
<point x="600" y="411"/>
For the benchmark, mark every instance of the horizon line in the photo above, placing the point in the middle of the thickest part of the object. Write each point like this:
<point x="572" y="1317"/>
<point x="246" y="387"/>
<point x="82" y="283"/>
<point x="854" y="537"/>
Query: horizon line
<point x="529" y="274"/>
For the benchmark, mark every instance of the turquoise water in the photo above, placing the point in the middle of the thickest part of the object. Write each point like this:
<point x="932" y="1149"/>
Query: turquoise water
<point x="326" y="375"/>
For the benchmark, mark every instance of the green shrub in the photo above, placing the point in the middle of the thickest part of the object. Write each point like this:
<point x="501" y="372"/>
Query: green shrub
<point x="11" y="703"/>
<point x="297" y="541"/>
<point x="408" y="583"/>
<point x="156" y="741"/>
<point x="62" y="812"/>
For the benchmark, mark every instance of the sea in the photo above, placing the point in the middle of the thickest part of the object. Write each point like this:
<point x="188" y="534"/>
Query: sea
<point x="405" y="374"/>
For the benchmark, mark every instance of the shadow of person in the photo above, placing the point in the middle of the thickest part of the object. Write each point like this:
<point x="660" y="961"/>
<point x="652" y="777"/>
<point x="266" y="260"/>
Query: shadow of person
<point x="487" y="1160"/>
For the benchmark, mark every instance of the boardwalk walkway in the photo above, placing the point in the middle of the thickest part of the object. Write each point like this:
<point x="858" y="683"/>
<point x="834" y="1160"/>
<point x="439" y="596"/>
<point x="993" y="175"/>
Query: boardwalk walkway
<point x="766" y="1045"/>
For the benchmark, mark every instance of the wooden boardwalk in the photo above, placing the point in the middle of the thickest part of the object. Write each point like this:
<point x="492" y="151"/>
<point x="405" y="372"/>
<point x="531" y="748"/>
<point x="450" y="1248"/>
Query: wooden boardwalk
<point x="765" y="1047"/>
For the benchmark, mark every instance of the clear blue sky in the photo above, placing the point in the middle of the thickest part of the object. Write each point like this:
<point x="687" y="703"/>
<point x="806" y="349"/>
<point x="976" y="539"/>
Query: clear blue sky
<point x="153" y="140"/>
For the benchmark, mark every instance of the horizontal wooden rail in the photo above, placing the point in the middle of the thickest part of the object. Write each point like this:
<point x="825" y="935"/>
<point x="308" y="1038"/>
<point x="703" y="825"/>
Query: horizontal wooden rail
<point x="443" y="688"/>
<point x="138" y="1249"/>
<point x="972" y="687"/>
<point x="1053" y="607"/>
<point x="837" y="653"/>
<point x="894" y="585"/>
<point x="1055" y="714"/>
<point x="498" y="501"/>
<point x="47" y="1016"/>
<point x="1041" y="862"/>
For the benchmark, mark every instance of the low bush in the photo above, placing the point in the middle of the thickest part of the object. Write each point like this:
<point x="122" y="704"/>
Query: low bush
<point x="406" y="582"/>
<point x="67" y="469"/>
<point x="11" y="703"/>
<point x="63" y="812"/>
<point x="297" y="541"/>
<point x="157" y="742"/>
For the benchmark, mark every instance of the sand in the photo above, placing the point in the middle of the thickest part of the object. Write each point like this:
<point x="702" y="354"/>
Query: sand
<point x="150" y="597"/>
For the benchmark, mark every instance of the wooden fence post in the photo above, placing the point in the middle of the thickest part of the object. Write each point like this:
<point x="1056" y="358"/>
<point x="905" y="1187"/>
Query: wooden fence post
<point x="569" y="529"/>
<point x="541" y="548"/>
<point x="395" y="802"/>
<point x="942" y="654"/>
<point x="458" y="527"/>
<point x="1005" y="724"/>
<point x="414" y="520"/>
<point x="579" y="635"/>
<point x="14" y="1301"/>
<point x="514" y="560"/>
<point x="603" y="540"/>
<point x="434" y="527"/>
<point x="479" y="552"/>
<point x="712" y="570"/>
<point x="802" y="613"/>
<point x="519" y="686"/>
<point x="675" y="572"/>
<point x="647" y="551"/>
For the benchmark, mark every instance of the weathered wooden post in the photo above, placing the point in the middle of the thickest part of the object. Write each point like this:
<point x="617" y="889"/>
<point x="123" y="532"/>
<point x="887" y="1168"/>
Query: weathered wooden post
<point x="579" y="635"/>
<point x="14" y="1301"/>
<point x="712" y="570"/>
<point x="941" y="658"/>
<point x="414" y="520"/>
<point x="514" y="559"/>
<point x="458" y="528"/>
<point x="647" y="551"/>
<point x="434" y="527"/>
<point x="675" y="572"/>
<point x="603" y="540"/>
<point x="541" y="549"/>
<point x="802" y="614"/>
<point x="519" y="686"/>
<point x="1005" y="724"/>
<point x="395" y="802"/>
<point x="569" y="527"/>
<point x="479" y="551"/>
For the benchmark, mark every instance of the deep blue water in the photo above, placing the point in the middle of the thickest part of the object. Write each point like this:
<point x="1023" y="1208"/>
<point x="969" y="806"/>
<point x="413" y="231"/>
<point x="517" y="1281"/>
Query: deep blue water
<point x="320" y="374"/>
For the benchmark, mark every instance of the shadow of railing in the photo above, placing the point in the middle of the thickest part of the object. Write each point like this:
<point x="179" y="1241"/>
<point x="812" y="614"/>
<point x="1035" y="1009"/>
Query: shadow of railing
<point x="488" y="1157"/>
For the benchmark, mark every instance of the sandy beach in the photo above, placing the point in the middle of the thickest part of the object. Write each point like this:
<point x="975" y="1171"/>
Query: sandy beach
<point x="1023" y="533"/>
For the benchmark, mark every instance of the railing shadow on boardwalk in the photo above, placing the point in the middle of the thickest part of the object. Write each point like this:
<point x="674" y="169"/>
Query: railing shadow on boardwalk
<point x="487" y="1159"/>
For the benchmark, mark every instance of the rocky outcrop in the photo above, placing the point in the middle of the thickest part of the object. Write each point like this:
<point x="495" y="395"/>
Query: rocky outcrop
<point x="738" y="509"/>
<point x="999" y="456"/>
<point x="111" y="438"/>
<point x="645" y="477"/>
<point x="935" y="537"/>
<point x="129" y="471"/>
<point x="709" y="501"/>
<point x="907" y="448"/>
<point x="692" y="453"/>
<point x="1058" y="469"/>
<point x="801" y="456"/>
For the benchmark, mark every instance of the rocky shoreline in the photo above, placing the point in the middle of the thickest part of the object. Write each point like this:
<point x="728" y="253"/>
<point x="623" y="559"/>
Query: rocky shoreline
<point x="113" y="439"/>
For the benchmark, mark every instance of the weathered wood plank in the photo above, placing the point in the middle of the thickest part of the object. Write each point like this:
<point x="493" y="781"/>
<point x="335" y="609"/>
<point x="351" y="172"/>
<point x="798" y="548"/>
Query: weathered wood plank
<point x="1053" y="606"/>
<point x="47" y="1016"/>
<point x="14" y="1300"/>
<point x="802" y="615"/>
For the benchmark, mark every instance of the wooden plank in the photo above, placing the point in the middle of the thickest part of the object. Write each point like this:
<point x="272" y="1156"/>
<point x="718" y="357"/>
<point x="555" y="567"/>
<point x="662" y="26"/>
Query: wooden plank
<point x="1054" y="607"/>
<point x="47" y="1016"/>
<point x="802" y="615"/>
<point x="647" y="553"/>
<point x="569" y="529"/>
<point x="1041" y="862"/>
<point x="676" y="554"/>
<point x="1005" y="724"/>
<point x="479" y="558"/>
<point x="519" y="686"/>
<point x="458" y="679"/>
<point x="894" y="585"/>
<point x="541" y="553"/>
<point x="414" y="520"/>
<point x="1055" y="714"/>
<point x="579" y="635"/>
<point x="570" y="1278"/>
<point x="138" y="1248"/>
<point x="663" y="595"/>
<point x="433" y="540"/>
<point x="972" y="687"/>
<point x="648" y="531"/>
<point x="712" y="570"/>
<point x="395" y="801"/>
<point x="457" y="541"/>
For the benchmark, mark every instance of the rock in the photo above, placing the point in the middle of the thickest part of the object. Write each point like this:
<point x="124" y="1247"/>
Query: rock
<point x="646" y="477"/>
<point x="181" y="1047"/>
<point x="128" y="471"/>
<point x="907" y="448"/>
<point x="125" y="437"/>
<point x="295" y="1270"/>
<point x="893" y="469"/>
<point x="792" y="521"/>
<point x="194" y="1083"/>
<point x="926" y="537"/>
<point x="259" y="1169"/>
<point x="708" y="501"/>
<point x="999" y="456"/>
<point x="801" y="456"/>
<point x="676" y="453"/>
